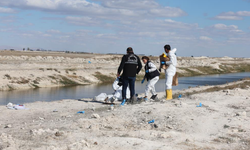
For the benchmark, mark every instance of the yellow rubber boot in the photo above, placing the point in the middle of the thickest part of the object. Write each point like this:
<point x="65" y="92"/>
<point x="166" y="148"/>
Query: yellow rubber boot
<point x="169" y="94"/>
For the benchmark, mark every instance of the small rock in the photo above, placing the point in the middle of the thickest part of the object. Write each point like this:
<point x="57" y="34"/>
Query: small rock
<point x="41" y="118"/>
<point x="153" y="134"/>
<point x="169" y="127"/>
<point x="244" y="114"/>
<point x="164" y="136"/>
<point x="96" y="116"/>
<point x="8" y="126"/>
<point x="170" y="117"/>
<point x="187" y="140"/>
<point x="95" y="143"/>
<point x="59" y="133"/>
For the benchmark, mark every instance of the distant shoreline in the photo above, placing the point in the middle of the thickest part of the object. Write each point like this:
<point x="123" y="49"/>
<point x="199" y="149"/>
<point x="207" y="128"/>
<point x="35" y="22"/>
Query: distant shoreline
<point x="24" y="70"/>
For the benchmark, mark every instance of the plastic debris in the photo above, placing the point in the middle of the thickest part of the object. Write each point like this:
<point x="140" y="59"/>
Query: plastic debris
<point x="179" y="96"/>
<point x="152" y="121"/>
<point x="200" y="105"/>
<point x="112" y="107"/>
<point x="10" y="106"/>
<point x="101" y="97"/>
<point x="89" y="62"/>
<point x="81" y="112"/>
<point x="16" y="107"/>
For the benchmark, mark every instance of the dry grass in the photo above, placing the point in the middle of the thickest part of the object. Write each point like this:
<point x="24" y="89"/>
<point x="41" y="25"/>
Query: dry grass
<point x="104" y="78"/>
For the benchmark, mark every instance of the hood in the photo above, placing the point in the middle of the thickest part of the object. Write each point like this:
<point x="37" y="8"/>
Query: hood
<point x="173" y="50"/>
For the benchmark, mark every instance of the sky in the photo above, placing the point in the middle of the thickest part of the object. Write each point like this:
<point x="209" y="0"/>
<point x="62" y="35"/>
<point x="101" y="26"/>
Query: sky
<point x="213" y="28"/>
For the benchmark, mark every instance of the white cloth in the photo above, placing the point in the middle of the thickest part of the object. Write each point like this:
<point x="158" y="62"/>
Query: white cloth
<point x="170" y="72"/>
<point x="117" y="94"/>
<point x="150" y="87"/>
<point x="101" y="97"/>
<point x="169" y="81"/>
<point x="118" y="91"/>
<point x="152" y="67"/>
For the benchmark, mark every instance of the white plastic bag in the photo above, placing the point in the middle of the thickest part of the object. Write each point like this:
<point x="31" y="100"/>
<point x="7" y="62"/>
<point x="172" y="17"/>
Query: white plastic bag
<point x="101" y="97"/>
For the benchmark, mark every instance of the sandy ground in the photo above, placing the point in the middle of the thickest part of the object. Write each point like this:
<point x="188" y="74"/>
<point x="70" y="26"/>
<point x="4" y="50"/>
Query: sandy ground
<point x="22" y="70"/>
<point x="223" y="122"/>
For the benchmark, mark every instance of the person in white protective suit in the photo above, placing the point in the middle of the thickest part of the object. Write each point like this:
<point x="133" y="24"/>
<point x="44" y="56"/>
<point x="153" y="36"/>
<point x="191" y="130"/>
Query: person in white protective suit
<point x="152" y="76"/>
<point x="170" y="71"/>
<point x="118" y="91"/>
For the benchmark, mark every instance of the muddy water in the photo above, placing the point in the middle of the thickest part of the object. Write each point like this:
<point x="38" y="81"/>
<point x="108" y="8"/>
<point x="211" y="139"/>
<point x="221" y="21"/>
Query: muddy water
<point x="77" y="92"/>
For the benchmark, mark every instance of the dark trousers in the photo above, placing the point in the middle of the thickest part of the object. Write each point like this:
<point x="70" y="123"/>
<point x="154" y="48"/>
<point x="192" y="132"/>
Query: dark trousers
<point x="128" y="81"/>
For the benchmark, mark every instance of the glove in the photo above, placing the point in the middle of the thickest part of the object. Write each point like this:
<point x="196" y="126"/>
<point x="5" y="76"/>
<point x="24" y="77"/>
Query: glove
<point x="147" y="71"/>
<point x="163" y="62"/>
<point x="142" y="81"/>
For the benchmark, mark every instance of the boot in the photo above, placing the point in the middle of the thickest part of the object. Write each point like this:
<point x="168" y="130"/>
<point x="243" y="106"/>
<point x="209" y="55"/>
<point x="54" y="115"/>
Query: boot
<point x="153" y="97"/>
<point x="169" y="94"/>
<point x="123" y="102"/>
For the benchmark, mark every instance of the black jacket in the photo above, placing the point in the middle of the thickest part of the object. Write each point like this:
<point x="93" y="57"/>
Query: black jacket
<point x="130" y="65"/>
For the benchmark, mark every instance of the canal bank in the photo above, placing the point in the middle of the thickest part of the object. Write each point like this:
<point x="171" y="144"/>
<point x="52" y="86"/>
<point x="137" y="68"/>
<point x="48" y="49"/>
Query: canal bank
<point x="89" y="91"/>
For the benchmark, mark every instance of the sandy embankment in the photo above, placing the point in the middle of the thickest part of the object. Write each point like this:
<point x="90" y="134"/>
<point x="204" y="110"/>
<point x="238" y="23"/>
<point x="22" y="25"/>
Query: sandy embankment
<point x="221" y="123"/>
<point x="20" y="70"/>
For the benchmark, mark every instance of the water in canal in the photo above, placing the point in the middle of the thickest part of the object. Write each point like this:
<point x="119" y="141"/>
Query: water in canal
<point x="89" y="91"/>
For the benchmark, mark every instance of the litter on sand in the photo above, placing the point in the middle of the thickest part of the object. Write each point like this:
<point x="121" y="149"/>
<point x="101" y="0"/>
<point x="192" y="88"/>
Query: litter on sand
<point x="152" y="121"/>
<point x="200" y="105"/>
<point x="16" y="107"/>
<point x="81" y="112"/>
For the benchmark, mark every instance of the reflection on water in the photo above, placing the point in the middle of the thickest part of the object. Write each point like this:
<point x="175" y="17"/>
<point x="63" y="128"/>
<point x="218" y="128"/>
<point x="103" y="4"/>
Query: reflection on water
<point x="89" y="91"/>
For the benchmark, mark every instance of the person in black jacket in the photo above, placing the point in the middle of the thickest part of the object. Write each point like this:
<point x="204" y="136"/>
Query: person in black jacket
<point x="152" y="76"/>
<point x="130" y="65"/>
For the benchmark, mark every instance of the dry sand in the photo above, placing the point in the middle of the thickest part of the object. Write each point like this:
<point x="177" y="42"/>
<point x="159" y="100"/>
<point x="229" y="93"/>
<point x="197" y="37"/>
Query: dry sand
<point x="223" y="122"/>
<point x="22" y="70"/>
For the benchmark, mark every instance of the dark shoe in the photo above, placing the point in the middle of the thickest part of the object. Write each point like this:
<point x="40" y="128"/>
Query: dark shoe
<point x="153" y="97"/>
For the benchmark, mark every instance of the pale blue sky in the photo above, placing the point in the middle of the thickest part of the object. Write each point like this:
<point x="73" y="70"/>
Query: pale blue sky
<point x="195" y="27"/>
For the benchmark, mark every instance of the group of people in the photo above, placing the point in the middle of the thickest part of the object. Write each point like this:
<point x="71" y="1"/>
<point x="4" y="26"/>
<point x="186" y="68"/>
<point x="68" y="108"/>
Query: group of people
<point x="131" y="65"/>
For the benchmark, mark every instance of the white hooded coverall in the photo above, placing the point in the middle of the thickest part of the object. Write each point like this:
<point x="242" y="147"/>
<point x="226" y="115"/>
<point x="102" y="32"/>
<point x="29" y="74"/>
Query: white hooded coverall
<point x="118" y="91"/>
<point x="150" y="87"/>
<point x="171" y="70"/>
